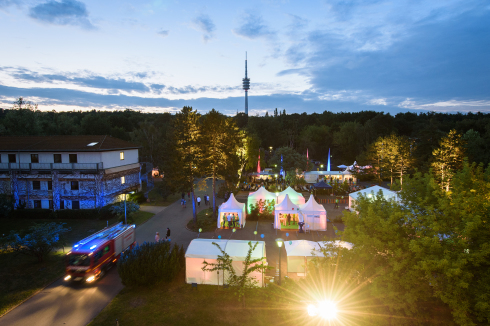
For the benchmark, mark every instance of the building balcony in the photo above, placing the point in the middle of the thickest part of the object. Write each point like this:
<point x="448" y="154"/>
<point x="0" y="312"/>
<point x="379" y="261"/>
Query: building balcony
<point x="60" y="167"/>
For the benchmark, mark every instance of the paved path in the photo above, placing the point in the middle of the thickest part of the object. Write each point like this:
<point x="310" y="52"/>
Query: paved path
<point x="75" y="305"/>
<point x="152" y="209"/>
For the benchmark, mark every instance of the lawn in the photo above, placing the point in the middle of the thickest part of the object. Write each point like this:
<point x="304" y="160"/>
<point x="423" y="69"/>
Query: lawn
<point x="205" y="220"/>
<point x="177" y="303"/>
<point x="156" y="198"/>
<point x="21" y="276"/>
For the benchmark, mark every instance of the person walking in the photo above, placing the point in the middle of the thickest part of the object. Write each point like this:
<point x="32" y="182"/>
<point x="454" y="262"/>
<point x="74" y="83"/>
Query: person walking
<point x="168" y="234"/>
<point x="185" y="204"/>
<point x="189" y="195"/>
<point x="157" y="237"/>
<point x="183" y="195"/>
<point x="337" y="203"/>
<point x="199" y="201"/>
<point x="205" y="200"/>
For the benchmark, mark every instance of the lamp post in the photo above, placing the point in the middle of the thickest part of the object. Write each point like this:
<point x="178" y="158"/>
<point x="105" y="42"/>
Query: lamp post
<point x="279" y="243"/>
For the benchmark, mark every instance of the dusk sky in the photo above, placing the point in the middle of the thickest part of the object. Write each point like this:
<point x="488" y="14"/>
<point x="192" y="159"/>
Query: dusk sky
<point x="303" y="56"/>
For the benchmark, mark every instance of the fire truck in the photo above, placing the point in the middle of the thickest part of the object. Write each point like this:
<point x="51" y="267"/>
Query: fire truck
<point x="93" y="256"/>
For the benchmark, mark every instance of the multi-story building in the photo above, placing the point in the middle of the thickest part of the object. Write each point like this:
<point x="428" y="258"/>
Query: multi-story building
<point x="67" y="172"/>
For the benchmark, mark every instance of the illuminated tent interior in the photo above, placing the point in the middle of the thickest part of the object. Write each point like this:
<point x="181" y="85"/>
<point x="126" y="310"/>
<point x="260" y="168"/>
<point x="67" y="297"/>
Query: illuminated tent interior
<point x="370" y="192"/>
<point x="295" y="197"/>
<point x="231" y="206"/>
<point x="281" y="211"/>
<point x="204" y="249"/>
<point x="314" y="215"/>
<point x="260" y="194"/>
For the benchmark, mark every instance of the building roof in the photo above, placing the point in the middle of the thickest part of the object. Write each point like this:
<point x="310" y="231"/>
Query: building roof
<point x="63" y="143"/>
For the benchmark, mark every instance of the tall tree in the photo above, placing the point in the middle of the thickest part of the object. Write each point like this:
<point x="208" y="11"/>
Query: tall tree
<point x="188" y="153"/>
<point x="220" y="144"/>
<point x="448" y="158"/>
<point x="23" y="119"/>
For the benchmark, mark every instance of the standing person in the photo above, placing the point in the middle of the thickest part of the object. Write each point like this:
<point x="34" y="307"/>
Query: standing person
<point x="289" y="219"/>
<point x="183" y="195"/>
<point x="199" y="201"/>
<point x="182" y="202"/>
<point x="168" y="233"/>
<point x="157" y="237"/>
<point x="229" y="220"/>
<point x="337" y="203"/>
<point x="185" y="204"/>
<point x="189" y="195"/>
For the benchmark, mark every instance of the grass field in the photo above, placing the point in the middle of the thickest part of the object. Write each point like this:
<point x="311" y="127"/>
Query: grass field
<point x="177" y="303"/>
<point x="21" y="276"/>
<point x="205" y="220"/>
<point x="157" y="200"/>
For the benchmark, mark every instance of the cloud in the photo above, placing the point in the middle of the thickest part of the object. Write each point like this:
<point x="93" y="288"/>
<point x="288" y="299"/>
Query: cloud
<point x="205" y="25"/>
<point x="66" y="12"/>
<point x="163" y="33"/>
<point x="253" y="27"/>
<point x="8" y="3"/>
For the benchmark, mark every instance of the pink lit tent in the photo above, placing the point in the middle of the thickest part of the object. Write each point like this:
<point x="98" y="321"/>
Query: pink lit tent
<point x="314" y="215"/>
<point x="203" y="249"/>
<point x="261" y="194"/>
<point x="232" y="206"/>
<point x="295" y="197"/>
<point x="285" y="207"/>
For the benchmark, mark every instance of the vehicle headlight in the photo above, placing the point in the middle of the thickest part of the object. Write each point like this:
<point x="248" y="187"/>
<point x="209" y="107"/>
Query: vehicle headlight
<point x="90" y="279"/>
<point x="67" y="277"/>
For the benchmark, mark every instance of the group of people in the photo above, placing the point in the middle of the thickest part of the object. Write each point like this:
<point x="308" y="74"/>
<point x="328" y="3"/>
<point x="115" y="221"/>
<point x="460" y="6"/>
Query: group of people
<point x="167" y="236"/>
<point x="231" y="220"/>
<point x="197" y="199"/>
<point x="286" y="219"/>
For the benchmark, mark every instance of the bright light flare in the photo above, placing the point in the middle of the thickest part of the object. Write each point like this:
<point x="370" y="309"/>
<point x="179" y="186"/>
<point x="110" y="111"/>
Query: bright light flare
<point x="90" y="279"/>
<point x="327" y="309"/>
<point x="67" y="277"/>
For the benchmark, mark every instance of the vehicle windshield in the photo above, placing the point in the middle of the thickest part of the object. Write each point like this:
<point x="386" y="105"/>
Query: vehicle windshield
<point x="79" y="260"/>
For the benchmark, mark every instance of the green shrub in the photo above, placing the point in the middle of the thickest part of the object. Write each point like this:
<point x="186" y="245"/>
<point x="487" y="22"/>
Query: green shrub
<point x="138" y="197"/>
<point x="150" y="263"/>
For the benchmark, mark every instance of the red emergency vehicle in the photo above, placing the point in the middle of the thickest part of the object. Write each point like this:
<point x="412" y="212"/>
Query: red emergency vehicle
<point x="91" y="257"/>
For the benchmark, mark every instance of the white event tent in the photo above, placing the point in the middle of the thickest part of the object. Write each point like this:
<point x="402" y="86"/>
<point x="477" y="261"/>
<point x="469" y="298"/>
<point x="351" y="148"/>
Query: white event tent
<point x="370" y="192"/>
<point x="314" y="215"/>
<point x="299" y="252"/>
<point x="260" y="194"/>
<point x="285" y="207"/>
<point x="295" y="197"/>
<point x="204" y="249"/>
<point x="232" y="206"/>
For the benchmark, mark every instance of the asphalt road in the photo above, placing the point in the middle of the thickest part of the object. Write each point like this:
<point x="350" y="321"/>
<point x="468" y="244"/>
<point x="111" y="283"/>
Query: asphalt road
<point x="76" y="305"/>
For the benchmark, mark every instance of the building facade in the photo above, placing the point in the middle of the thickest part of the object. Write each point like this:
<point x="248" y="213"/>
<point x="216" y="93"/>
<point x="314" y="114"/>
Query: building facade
<point x="68" y="172"/>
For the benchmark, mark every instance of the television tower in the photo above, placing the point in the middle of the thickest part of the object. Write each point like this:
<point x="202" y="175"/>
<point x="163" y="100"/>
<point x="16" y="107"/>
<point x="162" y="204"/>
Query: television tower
<point x="246" y="85"/>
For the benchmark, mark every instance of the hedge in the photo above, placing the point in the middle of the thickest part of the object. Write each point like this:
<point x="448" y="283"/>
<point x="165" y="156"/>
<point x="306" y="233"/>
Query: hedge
<point x="65" y="214"/>
<point x="36" y="213"/>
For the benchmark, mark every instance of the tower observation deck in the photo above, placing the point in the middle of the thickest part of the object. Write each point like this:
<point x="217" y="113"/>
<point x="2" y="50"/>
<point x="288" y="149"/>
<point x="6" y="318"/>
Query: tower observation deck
<point x="246" y="85"/>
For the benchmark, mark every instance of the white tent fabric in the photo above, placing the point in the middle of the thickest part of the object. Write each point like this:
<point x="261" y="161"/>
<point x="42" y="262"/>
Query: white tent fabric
<point x="299" y="252"/>
<point x="314" y="215"/>
<point x="370" y="192"/>
<point x="285" y="207"/>
<point x="204" y="249"/>
<point x="295" y="197"/>
<point x="232" y="206"/>
<point x="261" y="193"/>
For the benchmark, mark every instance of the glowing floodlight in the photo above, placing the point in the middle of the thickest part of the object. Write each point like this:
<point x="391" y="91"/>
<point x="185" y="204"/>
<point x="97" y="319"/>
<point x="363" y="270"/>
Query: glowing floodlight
<point x="312" y="310"/>
<point x="327" y="309"/>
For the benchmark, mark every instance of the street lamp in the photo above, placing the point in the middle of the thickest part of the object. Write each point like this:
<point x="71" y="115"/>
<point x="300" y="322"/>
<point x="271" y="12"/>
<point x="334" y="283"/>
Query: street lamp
<point x="279" y="243"/>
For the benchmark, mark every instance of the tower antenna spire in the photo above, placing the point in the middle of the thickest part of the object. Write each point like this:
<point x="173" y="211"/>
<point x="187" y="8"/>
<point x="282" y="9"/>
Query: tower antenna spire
<point x="246" y="85"/>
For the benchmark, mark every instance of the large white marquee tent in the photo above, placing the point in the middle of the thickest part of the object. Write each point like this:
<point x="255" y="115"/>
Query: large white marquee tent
<point x="204" y="249"/>
<point x="260" y="194"/>
<point x="285" y="207"/>
<point x="370" y="192"/>
<point x="314" y="215"/>
<point x="232" y="206"/>
<point x="295" y="197"/>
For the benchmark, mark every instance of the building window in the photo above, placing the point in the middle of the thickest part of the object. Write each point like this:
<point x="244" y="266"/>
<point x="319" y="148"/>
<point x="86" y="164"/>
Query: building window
<point x="50" y="185"/>
<point x="57" y="158"/>
<point x="36" y="185"/>
<point x="74" y="185"/>
<point x="34" y="158"/>
<point x="123" y="180"/>
<point x="37" y="204"/>
<point x="73" y="158"/>
<point x="121" y="156"/>
<point x="50" y="204"/>
<point x="12" y="158"/>
<point x="62" y="204"/>
<point x="75" y="204"/>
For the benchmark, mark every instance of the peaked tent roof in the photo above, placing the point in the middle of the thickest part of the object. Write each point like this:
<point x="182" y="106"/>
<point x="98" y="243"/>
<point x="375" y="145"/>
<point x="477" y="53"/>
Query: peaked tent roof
<point x="322" y="185"/>
<point x="232" y="203"/>
<point x="375" y="189"/>
<point x="303" y="248"/>
<point x="286" y="205"/>
<point x="291" y="192"/>
<point x="263" y="193"/>
<point x="339" y="243"/>
<point x="296" y="197"/>
<point x="312" y="206"/>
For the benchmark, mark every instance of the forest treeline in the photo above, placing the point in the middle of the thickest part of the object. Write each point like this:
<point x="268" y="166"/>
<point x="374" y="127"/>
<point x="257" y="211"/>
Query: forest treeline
<point x="348" y="134"/>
